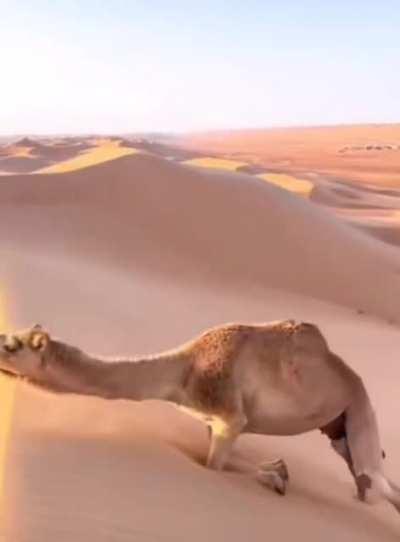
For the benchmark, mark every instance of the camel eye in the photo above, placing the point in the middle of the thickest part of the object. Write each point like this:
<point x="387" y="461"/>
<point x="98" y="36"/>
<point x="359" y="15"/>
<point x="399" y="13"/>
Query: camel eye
<point x="13" y="346"/>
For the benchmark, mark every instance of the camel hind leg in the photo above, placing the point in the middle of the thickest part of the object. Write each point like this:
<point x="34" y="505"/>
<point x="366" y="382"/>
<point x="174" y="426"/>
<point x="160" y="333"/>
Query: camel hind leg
<point x="365" y="449"/>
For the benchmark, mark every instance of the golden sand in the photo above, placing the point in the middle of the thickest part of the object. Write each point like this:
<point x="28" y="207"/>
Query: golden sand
<point x="103" y="151"/>
<point x="7" y="399"/>
<point x="302" y="187"/>
<point x="216" y="163"/>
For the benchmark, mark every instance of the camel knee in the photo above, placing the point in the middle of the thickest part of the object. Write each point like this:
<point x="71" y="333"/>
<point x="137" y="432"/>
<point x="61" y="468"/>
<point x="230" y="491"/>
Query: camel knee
<point x="385" y="487"/>
<point x="218" y="453"/>
<point x="365" y="479"/>
<point x="223" y="435"/>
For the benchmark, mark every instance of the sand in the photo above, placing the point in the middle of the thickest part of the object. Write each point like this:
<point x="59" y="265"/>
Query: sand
<point x="359" y="153"/>
<point x="136" y="255"/>
<point x="58" y="155"/>
<point x="339" y="167"/>
<point x="215" y="163"/>
<point x="302" y="187"/>
<point x="103" y="150"/>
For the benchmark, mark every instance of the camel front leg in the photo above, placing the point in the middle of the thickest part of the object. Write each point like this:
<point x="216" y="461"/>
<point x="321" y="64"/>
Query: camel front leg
<point x="272" y="474"/>
<point x="336" y="432"/>
<point x="223" y="434"/>
<point x="341" y="447"/>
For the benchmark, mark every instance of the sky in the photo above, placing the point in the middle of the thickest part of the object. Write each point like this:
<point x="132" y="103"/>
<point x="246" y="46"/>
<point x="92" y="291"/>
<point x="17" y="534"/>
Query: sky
<point x="87" y="66"/>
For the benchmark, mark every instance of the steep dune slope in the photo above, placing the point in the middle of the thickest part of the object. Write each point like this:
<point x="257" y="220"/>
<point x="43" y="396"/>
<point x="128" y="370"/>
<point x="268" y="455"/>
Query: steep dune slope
<point x="81" y="468"/>
<point x="144" y="212"/>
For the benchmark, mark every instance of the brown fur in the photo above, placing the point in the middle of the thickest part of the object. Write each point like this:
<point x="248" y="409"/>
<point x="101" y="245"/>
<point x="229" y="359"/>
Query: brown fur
<point x="209" y="382"/>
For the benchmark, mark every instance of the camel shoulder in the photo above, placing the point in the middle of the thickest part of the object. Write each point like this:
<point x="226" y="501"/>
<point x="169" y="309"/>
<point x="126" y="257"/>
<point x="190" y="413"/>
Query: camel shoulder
<point x="213" y="355"/>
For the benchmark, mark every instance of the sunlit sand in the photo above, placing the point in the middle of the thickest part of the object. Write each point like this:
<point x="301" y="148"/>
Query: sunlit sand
<point x="216" y="163"/>
<point x="6" y="406"/>
<point x="104" y="151"/>
<point x="302" y="187"/>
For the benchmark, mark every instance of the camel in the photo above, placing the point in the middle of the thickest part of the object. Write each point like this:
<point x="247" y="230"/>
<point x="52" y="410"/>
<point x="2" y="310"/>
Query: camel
<point x="278" y="378"/>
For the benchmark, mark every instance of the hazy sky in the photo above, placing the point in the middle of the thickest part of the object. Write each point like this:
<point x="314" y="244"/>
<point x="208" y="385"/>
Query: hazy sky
<point x="154" y="65"/>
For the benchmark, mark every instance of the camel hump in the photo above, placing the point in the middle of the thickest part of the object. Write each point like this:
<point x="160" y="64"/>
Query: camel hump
<point x="287" y="324"/>
<point x="308" y="336"/>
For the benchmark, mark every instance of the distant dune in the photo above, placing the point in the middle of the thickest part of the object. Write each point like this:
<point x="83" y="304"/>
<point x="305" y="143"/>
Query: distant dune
<point x="215" y="163"/>
<point x="101" y="151"/>
<point x="59" y="155"/>
<point x="353" y="164"/>
<point x="337" y="167"/>
<point x="302" y="187"/>
<point x="360" y="153"/>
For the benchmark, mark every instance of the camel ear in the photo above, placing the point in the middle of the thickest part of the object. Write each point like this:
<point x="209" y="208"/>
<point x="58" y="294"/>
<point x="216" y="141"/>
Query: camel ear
<point x="39" y="339"/>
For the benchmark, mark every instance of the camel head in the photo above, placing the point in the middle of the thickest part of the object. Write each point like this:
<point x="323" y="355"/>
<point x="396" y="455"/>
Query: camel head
<point x="22" y="353"/>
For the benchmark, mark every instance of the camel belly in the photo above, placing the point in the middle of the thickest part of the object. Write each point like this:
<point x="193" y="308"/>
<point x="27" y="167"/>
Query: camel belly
<point x="284" y="414"/>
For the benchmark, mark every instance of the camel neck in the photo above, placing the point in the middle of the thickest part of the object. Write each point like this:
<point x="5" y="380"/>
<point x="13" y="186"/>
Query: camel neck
<point x="70" y="370"/>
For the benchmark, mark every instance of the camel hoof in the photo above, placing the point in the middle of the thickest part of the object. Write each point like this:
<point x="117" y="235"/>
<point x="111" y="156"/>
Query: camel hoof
<point x="363" y="483"/>
<point x="274" y="475"/>
<point x="278" y="465"/>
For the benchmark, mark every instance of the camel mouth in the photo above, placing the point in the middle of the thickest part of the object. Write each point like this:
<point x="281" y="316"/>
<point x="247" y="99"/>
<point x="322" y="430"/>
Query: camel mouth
<point x="8" y="373"/>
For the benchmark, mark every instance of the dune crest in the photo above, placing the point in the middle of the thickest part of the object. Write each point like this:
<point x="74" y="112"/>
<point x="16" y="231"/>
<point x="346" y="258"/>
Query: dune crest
<point x="102" y="151"/>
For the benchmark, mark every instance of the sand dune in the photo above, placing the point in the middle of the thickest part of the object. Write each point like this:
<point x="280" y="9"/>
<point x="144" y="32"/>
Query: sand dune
<point x="338" y="166"/>
<point x="102" y="151"/>
<point x="215" y="163"/>
<point x="169" y="220"/>
<point x="361" y="153"/>
<point x="56" y="155"/>
<point x="370" y="208"/>
<point x="136" y="255"/>
<point x="341" y="167"/>
<point x="61" y="154"/>
<point x="303" y="187"/>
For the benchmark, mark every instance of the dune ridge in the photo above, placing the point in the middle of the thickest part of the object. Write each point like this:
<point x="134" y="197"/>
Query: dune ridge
<point x="174" y="221"/>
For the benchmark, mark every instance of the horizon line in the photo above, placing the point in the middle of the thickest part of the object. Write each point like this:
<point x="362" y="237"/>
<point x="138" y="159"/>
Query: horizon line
<point x="126" y="133"/>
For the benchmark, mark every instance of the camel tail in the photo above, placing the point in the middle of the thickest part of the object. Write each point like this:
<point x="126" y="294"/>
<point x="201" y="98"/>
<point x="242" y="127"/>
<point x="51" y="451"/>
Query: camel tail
<point x="365" y="447"/>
